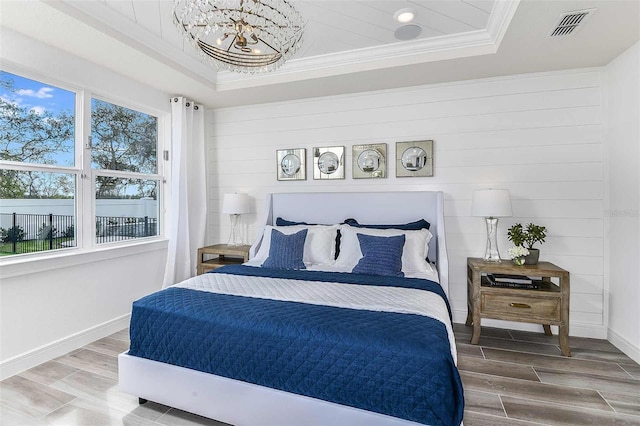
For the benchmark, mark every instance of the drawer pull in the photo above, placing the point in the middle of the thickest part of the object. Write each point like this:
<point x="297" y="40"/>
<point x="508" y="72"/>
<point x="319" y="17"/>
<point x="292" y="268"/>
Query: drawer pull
<point x="520" y="305"/>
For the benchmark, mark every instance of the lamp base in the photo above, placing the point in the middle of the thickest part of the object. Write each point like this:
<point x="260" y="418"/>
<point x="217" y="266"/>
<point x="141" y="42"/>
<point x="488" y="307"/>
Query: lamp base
<point x="491" y="253"/>
<point x="234" y="236"/>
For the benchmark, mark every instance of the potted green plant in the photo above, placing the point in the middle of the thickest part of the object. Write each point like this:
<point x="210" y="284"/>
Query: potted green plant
<point x="527" y="237"/>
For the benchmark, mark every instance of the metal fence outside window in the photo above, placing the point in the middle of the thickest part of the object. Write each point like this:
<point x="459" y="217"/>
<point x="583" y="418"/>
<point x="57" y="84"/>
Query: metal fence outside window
<point x="110" y="228"/>
<point x="28" y="233"/>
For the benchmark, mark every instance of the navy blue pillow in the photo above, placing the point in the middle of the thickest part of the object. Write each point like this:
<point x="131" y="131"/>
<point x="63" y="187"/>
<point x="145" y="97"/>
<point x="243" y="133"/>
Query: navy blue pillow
<point x="286" y="251"/>
<point x="411" y="226"/>
<point x="380" y="255"/>
<point x="284" y="222"/>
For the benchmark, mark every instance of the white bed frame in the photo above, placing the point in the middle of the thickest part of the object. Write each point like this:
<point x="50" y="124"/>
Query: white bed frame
<point x="240" y="403"/>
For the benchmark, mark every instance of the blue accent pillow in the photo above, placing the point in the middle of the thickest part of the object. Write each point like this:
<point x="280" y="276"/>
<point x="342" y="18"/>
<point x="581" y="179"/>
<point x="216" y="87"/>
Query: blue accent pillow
<point x="380" y="255"/>
<point x="286" y="251"/>
<point x="411" y="226"/>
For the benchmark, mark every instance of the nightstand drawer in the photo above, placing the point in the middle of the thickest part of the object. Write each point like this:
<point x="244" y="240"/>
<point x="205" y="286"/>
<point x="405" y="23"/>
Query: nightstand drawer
<point x="521" y="307"/>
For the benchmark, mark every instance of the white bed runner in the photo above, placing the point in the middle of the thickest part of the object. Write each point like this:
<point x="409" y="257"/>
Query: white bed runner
<point x="372" y="298"/>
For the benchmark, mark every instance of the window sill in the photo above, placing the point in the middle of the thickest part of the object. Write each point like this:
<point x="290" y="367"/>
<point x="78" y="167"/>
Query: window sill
<point x="15" y="267"/>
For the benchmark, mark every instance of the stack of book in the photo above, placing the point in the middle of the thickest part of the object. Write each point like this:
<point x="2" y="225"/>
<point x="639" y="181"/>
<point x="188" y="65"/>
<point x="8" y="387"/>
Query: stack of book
<point x="513" y="281"/>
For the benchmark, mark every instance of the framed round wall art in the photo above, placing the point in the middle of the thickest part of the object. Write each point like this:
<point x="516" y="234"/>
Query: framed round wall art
<point x="291" y="164"/>
<point x="328" y="162"/>
<point x="369" y="161"/>
<point x="414" y="158"/>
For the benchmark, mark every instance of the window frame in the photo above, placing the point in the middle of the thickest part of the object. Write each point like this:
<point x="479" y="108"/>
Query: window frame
<point x="85" y="194"/>
<point x="92" y="173"/>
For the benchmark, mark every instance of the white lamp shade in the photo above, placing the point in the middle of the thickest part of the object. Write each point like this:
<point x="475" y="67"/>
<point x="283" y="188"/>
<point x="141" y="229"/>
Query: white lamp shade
<point x="235" y="203"/>
<point x="491" y="203"/>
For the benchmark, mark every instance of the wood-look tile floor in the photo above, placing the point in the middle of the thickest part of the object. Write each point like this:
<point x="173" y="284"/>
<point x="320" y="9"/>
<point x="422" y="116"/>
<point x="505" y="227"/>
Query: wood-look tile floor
<point x="510" y="378"/>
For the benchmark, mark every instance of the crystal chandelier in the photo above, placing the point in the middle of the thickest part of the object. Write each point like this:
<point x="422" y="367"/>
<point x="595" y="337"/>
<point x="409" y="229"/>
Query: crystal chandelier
<point x="241" y="35"/>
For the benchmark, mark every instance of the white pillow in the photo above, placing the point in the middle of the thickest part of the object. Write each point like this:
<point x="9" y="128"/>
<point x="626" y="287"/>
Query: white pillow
<point x="414" y="253"/>
<point x="319" y="246"/>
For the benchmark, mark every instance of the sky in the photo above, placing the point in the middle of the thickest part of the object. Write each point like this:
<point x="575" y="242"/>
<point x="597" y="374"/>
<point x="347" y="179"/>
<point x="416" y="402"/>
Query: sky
<point x="37" y="96"/>
<point x="40" y="98"/>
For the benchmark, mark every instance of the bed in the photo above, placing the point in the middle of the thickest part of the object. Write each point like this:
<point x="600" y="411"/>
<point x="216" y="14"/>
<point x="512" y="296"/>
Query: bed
<point x="260" y="344"/>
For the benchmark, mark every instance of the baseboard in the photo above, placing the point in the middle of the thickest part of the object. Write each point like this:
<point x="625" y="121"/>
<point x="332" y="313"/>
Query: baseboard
<point x="60" y="347"/>
<point x="577" y="330"/>
<point x="588" y="330"/>
<point x="624" y="345"/>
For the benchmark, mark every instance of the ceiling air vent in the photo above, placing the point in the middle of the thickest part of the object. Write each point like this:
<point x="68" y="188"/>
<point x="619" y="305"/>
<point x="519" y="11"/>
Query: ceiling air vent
<point x="570" y="22"/>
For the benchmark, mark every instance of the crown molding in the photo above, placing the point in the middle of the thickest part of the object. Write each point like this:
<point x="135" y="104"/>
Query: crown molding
<point x="468" y="44"/>
<point x="500" y="19"/>
<point x="108" y="21"/>
<point x="473" y="43"/>
<point x="392" y="55"/>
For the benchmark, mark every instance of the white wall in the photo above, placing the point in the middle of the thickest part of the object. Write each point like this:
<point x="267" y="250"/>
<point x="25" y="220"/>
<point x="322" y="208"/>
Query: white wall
<point x="53" y="305"/>
<point x="106" y="207"/>
<point x="46" y="313"/>
<point x="622" y="108"/>
<point x="540" y="136"/>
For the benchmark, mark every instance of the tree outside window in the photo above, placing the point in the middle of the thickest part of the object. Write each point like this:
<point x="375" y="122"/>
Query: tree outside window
<point x="40" y="182"/>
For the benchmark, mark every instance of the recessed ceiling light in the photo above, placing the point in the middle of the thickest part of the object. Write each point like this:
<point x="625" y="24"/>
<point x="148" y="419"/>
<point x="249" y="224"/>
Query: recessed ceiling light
<point x="404" y="15"/>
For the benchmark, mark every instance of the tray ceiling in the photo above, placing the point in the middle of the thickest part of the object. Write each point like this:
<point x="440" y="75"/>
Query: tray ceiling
<point x="349" y="45"/>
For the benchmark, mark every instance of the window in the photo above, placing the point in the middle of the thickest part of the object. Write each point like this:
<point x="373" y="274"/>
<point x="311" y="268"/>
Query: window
<point x="57" y="192"/>
<point x="124" y="157"/>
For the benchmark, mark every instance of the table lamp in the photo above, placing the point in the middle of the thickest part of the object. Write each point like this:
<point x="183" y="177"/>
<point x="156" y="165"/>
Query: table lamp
<point x="491" y="204"/>
<point x="235" y="205"/>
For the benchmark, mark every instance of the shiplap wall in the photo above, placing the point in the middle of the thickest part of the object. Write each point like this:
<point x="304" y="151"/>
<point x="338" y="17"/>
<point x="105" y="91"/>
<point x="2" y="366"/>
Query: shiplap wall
<point x="538" y="135"/>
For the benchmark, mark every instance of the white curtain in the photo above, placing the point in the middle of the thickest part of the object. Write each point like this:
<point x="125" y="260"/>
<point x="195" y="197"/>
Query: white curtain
<point x="188" y="209"/>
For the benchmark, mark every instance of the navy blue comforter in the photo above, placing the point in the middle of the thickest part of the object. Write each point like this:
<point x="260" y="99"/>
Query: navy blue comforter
<point x="390" y="363"/>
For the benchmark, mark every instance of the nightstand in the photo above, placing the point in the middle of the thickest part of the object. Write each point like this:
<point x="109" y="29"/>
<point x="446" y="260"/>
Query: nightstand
<point x="546" y="305"/>
<point x="226" y="255"/>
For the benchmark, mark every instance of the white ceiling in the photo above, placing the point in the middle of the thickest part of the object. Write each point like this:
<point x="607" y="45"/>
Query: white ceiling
<point x="331" y="26"/>
<point x="348" y="45"/>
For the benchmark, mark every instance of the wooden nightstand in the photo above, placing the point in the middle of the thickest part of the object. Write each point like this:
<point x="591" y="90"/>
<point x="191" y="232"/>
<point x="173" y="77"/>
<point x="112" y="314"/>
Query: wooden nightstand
<point x="547" y="305"/>
<point x="226" y="255"/>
